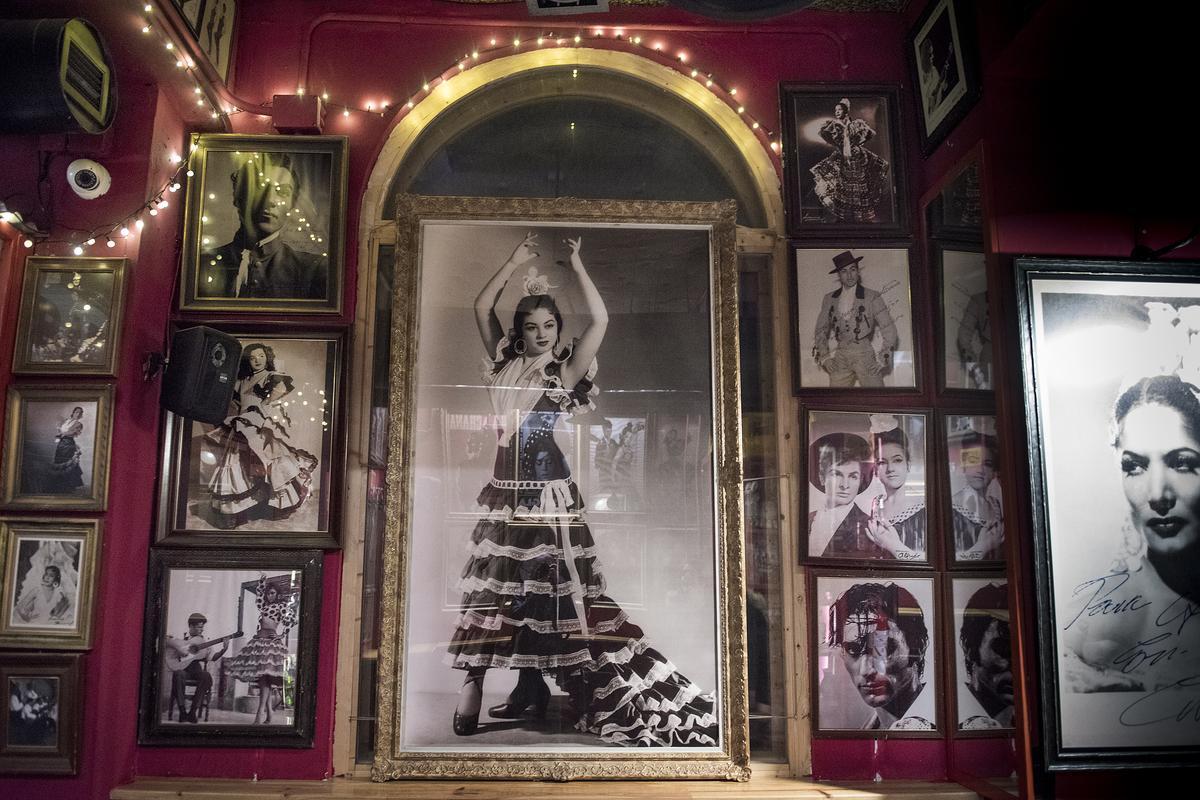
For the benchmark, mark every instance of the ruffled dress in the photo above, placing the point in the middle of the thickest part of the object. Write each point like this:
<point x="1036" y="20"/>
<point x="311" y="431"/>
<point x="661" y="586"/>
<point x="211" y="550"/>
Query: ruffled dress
<point x="533" y="587"/>
<point x="851" y="180"/>
<point x="265" y="655"/>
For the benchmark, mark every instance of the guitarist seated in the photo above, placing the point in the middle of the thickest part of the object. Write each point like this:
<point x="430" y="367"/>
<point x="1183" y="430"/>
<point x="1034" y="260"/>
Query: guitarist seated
<point x="192" y="650"/>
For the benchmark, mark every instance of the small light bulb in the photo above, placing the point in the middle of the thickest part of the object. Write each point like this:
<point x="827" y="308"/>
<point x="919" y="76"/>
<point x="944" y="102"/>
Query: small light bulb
<point x="708" y="83"/>
<point x="493" y="42"/>
<point x="169" y="46"/>
<point x="324" y="95"/>
<point x="409" y="104"/>
<point x="91" y="242"/>
<point x="578" y="38"/>
<point x="146" y="28"/>
<point x="28" y="242"/>
<point x="77" y="251"/>
<point x="300" y="91"/>
<point x="124" y="231"/>
<point x="148" y="8"/>
<point x="195" y="90"/>
<point x="754" y="126"/>
<point x="695" y="72"/>
<point x="775" y="146"/>
<point x="425" y="87"/>
<point x="200" y="102"/>
<point x="174" y="187"/>
<point x="733" y="91"/>
<point x="179" y="63"/>
<point x="139" y="224"/>
<point x="163" y="204"/>
<point x="683" y="58"/>
<point x="741" y="109"/>
<point x="539" y="41"/>
<point x="175" y="158"/>
<point x="109" y="243"/>
<point x="154" y="212"/>
<point x="475" y="54"/>
<point x="192" y="172"/>
<point x="516" y="42"/>
<point x="345" y="112"/>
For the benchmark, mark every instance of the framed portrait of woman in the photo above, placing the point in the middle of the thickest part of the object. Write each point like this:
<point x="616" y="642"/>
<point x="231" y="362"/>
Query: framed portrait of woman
<point x="843" y="160"/>
<point x="965" y="329"/>
<point x="578" y="623"/>
<point x="1110" y="351"/>
<point x="876" y="671"/>
<point x="944" y="61"/>
<point x="974" y="504"/>
<point x="40" y="734"/>
<point x="48" y="582"/>
<point x="70" y="319"/>
<point x="266" y="475"/>
<point x="980" y="662"/>
<point x="867" y="479"/>
<point x="56" y="445"/>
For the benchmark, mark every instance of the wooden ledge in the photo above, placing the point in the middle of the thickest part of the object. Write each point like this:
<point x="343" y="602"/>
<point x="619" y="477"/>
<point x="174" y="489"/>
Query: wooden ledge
<point x="767" y="787"/>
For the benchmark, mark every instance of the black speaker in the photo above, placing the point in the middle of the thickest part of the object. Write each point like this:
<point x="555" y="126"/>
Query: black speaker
<point x="201" y="373"/>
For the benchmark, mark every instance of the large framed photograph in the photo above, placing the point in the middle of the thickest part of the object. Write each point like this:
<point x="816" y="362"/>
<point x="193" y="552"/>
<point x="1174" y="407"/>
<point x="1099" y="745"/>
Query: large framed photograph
<point x="70" y="320"/>
<point x="965" y="330"/>
<point x="974" y="501"/>
<point x="49" y="582"/>
<point x="982" y="669"/>
<point x="853" y="317"/>
<point x="944" y="61"/>
<point x="1111" y="356"/>
<point x="876" y="669"/>
<point x="867" y="484"/>
<point x="843" y="160"/>
<point x="267" y="475"/>
<point x="581" y="620"/>
<point x="229" y="648"/>
<point x="264" y="229"/>
<point x="41" y="731"/>
<point x="56" y="445"/>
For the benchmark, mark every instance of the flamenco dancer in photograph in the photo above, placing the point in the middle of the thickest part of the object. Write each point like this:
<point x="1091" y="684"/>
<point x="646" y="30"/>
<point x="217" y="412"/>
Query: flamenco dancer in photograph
<point x="533" y="591"/>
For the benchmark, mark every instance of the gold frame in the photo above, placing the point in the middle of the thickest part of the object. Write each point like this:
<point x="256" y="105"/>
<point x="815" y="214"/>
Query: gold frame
<point x="88" y="532"/>
<point x="34" y="267"/>
<point x="337" y="148"/>
<point x="14" y="448"/>
<point x="731" y="762"/>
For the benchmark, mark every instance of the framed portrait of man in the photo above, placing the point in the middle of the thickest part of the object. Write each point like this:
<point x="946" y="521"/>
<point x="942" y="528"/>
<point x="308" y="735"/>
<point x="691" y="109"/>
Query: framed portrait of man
<point x="40" y="734"/>
<point x="70" y="318"/>
<point x="56" y="446"/>
<point x="965" y="330"/>
<point x="867" y="480"/>
<point x="48" y="582"/>
<point x="876" y="668"/>
<point x="853" y="321"/>
<point x="974" y="507"/>
<point x="590" y="620"/>
<point x="229" y="649"/>
<point x="264" y="226"/>
<point x="265" y="476"/>
<point x="843" y="160"/>
<point x="981" y="641"/>
<point x="944" y="62"/>
<point x="1111" y="356"/>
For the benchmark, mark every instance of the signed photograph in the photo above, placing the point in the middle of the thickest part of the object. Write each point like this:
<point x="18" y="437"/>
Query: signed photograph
<point x="976" y="506"/>
<point x="983" y="668"/>
<point x="1113" y="352"/>
<point x="876" y="670"/>
<point x="48" y="580"/>
<point x="966" y="330"/>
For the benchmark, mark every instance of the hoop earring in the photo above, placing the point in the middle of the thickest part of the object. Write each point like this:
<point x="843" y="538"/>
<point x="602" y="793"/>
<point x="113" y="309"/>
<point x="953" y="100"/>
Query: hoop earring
<point x="519" y="347"/>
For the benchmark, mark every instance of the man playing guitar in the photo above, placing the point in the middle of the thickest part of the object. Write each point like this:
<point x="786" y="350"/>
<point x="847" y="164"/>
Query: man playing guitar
<point x="187" y="658"/>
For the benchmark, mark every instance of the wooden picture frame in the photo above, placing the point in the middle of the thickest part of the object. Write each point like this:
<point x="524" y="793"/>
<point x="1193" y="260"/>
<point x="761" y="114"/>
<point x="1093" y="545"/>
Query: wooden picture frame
<point x="48" y="581"/>
<point x="586" y="257"/>
<point x="267" y="261"/>
<point x="41" y="733"/>
<point x="980" y="671"/>
<point x="259" y="641"/>
<point x="70" y="317"/>
<point x="943" y="61"/>
<point x="964" y="330"/>
<point x="56" y="448"/>
<point x="972" y="505"/>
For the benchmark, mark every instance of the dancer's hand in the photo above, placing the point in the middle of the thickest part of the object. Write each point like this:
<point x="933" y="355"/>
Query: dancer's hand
<point x="526" y="251"/>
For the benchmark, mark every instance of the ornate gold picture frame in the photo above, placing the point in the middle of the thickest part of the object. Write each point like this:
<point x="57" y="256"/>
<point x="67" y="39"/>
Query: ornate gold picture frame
<point x="585" y="618"/>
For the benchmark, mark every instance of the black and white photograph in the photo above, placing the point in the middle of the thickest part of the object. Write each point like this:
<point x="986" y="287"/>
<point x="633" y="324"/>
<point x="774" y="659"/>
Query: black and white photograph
<point x="957" y="212"/>
<point x="56" y="447"/>
<point x="191" y="11"/>
<point x="70" y="318"/>
<point x="843" y="165"/>
<point x="876" y="668"/>
<point x="32" y="712"/>
<point x="40" y="734"/>
<point x="982" y="645"/>
<point x="854" y="318"/>
<point x="1113" y="356"/>
<point x="966" y="331"/>
<point x="975" y="500"/>
<point x="230" y="648"/>
<point x="942" y="52"/>
<point x="867" y="487"/>
<point x="590" y="382"/>
<point x="214" y="30"/>
<point x="264" y="475"/>
<point x="48" y="579"/>
<point x="264" y="224"/>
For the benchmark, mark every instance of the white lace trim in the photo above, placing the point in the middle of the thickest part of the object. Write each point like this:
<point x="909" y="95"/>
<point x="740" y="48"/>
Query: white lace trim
<point x="487" y="548"/>
<point x="494" y="622"/>
<point x="522" y="588"/>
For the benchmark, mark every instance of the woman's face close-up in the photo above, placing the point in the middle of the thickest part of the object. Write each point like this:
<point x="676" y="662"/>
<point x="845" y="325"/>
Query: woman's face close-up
<point x="841" y="482"/>
<point x="257" y="358"/>
<point x="1160" y="467"/>
<point x="839" y="111"/>
<point x="979" y="467"/>
<point x="540" y="332"/>
<point x="893" y="466"/>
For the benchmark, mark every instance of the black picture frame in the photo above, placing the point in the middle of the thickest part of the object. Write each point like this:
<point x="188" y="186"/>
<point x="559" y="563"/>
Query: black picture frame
<point x="166" y="614"/>
<point x="964" y="332"/>
<point x="943" y="61"/>
<point x="957" y="213"/>
<point x="825" y="198"/>
<point x="991" y="610"/>
<point x="971" y="497"/>
<point x="42" y="735"/>
<point x="1109" y="694"/>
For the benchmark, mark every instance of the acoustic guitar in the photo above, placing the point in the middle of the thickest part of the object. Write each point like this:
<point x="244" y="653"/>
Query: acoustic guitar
<point x="180" y="657"/>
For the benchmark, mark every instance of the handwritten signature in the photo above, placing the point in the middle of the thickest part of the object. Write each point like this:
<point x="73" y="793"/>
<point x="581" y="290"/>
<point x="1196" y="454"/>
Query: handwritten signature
<point x="1163" y="705"/>
<point x="1102" y="603"/>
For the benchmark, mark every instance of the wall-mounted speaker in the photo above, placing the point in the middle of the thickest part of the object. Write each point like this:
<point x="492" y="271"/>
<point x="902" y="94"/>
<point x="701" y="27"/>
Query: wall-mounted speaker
<point x="201" y="373"/>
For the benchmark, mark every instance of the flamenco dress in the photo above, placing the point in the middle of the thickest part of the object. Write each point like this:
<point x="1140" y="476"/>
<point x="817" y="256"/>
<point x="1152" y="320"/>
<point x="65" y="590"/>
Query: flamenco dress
<point x="851" y="180"/>
<point x="265" y="655"/>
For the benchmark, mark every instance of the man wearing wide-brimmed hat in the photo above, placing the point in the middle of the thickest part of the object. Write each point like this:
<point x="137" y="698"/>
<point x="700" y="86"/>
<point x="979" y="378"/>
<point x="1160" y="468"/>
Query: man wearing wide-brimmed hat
<point x="846" y="327"/>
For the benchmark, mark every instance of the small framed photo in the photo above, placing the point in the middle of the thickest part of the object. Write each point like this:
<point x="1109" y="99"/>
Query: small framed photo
<point x="876" y="670"/>
<point x="854" y="318"/>
<point x="867" y="488"/>
<point x="542" y="7"/>
<point x="979" y="635"/>
<point x="843" y="164"/>
<point x="266" y="475"/>
<point x="41" y="732"/>
<point x="70" y="319"/>
<point x="944" y="62"/>
<point x="965" y="335"/>
<point x="264" y="226"/>
<point x="975" y="510"/>
<point x="56" y="445"/>
<point x="49" y="582"/>
<point x="214" y="32"/>
<point x="229" y="651"/>
<point x="957" y="211"/>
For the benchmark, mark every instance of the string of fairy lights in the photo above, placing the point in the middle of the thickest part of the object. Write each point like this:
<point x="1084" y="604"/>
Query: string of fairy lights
<point x="612" y="37"/>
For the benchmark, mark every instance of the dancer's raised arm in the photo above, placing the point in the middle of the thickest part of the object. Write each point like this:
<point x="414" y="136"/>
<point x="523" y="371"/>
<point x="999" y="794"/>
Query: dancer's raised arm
<point x="589" y="343"/>
<point x="488" y="323"/>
